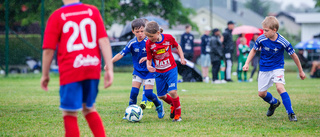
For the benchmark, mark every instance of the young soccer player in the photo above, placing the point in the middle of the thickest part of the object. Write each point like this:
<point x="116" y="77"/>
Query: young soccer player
<point x="271" y="65"/>
<point x="243" y="55"/>
<point x="158" y="48"/>
<point x="137" y="47"/>
<point x="79" y="32"/>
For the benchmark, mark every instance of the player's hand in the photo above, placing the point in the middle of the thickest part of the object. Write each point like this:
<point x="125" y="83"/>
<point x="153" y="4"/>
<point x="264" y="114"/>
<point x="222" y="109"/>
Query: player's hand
<point x="142" y="60"/>
<point x="302" y="75"/>
<point x="108" y="78"/>
<point x="44" y="82"/>
<point x="151" y="69"/>
<point x="183" y="61"/>
<point x="245" y="67"/>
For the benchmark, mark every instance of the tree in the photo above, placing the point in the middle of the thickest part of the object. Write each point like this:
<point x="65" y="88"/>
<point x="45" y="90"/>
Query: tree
<point x="317" y="3"/>
<point x="115" y="11"/>
<point x="258" y="6"/>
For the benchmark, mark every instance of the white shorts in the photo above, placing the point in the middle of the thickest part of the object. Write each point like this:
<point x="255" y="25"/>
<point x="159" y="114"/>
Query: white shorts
<point x="205" y="60"/>
<point x="146" y="81"/>
<point x="267" y="78"/>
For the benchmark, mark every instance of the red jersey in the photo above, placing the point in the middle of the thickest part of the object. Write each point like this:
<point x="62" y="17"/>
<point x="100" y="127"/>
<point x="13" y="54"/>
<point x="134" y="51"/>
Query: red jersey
<point x="75" y="30"/>
<point x="161" y="53"/>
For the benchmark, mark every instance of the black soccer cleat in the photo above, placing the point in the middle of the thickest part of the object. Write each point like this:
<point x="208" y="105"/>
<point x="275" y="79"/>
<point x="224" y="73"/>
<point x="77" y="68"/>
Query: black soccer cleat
<point x="172" y="112"/>
<point x="292" y="117"/>
<point x="143" y="105"/>
<point x="272" y="108"/>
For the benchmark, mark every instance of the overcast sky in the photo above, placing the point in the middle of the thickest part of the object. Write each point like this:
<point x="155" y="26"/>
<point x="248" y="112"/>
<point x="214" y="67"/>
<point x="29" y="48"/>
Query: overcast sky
<point x="296" y="3"/>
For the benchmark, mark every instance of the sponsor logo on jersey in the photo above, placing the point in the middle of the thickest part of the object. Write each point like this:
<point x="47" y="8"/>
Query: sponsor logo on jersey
<point x="162" y="64"/>
<point x="266" y="48"/>
<point x="85" y="61"/>
<point x="275" y="50"/>
<point x="136" y="50"/>
<point x="166" y="43"/>
<point x="153" y="46"/>
<point x="144" y="49"/>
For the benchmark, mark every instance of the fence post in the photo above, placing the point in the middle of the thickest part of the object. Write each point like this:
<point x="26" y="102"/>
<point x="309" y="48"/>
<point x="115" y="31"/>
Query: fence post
<point x="42" y="29"/>
<point x="7" y="36"/>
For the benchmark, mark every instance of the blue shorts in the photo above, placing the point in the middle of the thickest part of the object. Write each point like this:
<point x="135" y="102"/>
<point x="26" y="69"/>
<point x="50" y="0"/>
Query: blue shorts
<point x="167" y="81"/>
<point x="74" y="94"/>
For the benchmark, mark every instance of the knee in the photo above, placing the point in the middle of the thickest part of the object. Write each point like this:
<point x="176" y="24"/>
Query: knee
<point x="173" y="93"/>
<point x="86" y="110"/>
<point x="262" y="94"/>
<point x="162" y="97"/>
<point x="69" y="113"/>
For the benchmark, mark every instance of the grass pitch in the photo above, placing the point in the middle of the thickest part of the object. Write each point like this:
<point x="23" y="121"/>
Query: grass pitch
<point x="232" y="109"/>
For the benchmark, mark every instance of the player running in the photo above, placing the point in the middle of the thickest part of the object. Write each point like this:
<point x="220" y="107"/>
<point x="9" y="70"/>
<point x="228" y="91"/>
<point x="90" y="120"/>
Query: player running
<point x="158" y="48"/>
<point x="78" y="31"/>
<point x="272" y="46"/>
<point x="137" y="47"/>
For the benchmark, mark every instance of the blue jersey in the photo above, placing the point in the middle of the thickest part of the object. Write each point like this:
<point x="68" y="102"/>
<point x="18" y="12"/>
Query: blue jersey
<point x="205" y="44"/>
<point x="187" y="42"/>
<point x="272" y="52"/>
<point x="138" y="51"/>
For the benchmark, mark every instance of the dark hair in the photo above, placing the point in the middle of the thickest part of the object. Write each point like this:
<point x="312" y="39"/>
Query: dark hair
<point x="145" y="20"/>
<point x="214" y="31"/>
<point x="152" y="27"/>
<point x="137" y="24"/>
<point x="188" y="26"/>
<point x="230" y="22"/>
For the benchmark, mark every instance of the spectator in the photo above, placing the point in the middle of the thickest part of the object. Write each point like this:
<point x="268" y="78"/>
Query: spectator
<point x="187" y="43"/>
<point x="216" y="54"/>
<point x="256" y="58"/>
<point x="306" y="64"/>
<point x="228" y="49"/>
<point x="205" y="54"/>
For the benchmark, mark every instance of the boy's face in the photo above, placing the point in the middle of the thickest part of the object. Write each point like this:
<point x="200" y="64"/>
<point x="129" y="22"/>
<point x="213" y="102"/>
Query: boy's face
<point x="153" y="37"/>
<point x="269" y="33"/>
<point x="139" y="33"/>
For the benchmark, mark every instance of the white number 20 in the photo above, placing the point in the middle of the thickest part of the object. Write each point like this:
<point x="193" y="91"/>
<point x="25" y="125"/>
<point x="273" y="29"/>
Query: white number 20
<point x="71" y="46"/>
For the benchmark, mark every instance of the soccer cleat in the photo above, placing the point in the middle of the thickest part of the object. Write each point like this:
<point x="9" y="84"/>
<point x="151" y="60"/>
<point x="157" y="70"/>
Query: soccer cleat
<point x="250" y="80"/>
<point x="292" y="117"/>
<point x="143" y="104"/>
<point x="149" y="105"/>
<point x="177" y="118"/>
<point x="172" y="112"/>
<point x="229" y="80"/>
<point x="124" y="118"/>
<point x="272" y="108"/>
<point x="160" y="110"/>
<point x="223" y="81"/>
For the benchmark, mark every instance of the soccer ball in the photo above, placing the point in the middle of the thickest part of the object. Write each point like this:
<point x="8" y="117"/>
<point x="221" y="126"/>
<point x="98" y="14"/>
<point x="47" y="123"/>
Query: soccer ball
<point x="134" y="113"/>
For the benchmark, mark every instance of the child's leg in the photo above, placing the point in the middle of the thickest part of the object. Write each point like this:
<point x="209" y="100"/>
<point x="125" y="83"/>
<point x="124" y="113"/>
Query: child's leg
<point x="134" y="92"/>
<point x="239" y="75"/>
<point x="144" y="98"/>
<point x="151" y="96"/>
<point x="239" y="70"/>
<point x="285" y="97"/>
<point x="267" y="97"/>
<point x="176" y="102"/>
<point x="222" y="70"/>
<point x="245" y="75"/>
<point x="94" y="121"/>
<point x="71" y="124"/>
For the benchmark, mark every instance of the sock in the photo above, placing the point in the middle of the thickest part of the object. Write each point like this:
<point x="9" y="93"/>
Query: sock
<point x="95" y="124"/>
<point x="133" y="96"/>
<point x="144" y="98"/>
<point x="176" y="105"/>
<point x="245" y="75"/>
<point x="150" y="95"/>
<point x="222" y="73"/>
<point x="270" y="99"/>
<point x="286" y="102"/>
<point x="168" y="100"/>
<point x="239" y="75"/>
<point x="71" y="126"/>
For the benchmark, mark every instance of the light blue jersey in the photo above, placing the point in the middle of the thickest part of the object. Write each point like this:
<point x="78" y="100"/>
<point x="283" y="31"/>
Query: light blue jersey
<point x="272" y="52"/>
<point x="138" y="51"/>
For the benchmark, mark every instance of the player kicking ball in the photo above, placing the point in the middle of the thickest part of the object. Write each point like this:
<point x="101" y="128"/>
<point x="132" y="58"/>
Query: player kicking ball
<point x="78" y="31"/>
<point x="272" y="46"/>
<point x="137" y="47"/>
<point x="158" y="48"/>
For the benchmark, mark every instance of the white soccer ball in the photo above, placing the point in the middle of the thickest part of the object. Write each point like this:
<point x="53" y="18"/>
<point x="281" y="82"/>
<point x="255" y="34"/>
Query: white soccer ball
<point x="134" y="113"/>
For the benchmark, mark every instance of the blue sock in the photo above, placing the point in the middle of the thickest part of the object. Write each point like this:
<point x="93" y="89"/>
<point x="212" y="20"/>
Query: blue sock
<point x="144" y="98"/>
<point x="286" y="102"/>
<point x="270" y="99"/>
<point x="150" y="95"/>
<point x="133" y="96"/>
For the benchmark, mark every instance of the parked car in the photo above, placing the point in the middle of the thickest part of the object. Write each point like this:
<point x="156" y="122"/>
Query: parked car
<point x="116" y="48"/>
<point x="196" y="50"/>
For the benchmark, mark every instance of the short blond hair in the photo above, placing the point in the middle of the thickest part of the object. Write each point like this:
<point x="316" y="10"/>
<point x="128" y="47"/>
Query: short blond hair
<point x="271" y="22"/>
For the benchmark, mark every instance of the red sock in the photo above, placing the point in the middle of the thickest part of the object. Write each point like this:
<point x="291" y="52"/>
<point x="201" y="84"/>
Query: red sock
<point x="176" y="105"/>
<point x="95" y="124"/>
<point x="168" y="100"/>
<point x="71" y="126"/>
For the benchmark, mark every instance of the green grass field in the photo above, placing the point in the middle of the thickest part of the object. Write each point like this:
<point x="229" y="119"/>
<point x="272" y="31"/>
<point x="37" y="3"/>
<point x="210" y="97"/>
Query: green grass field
<point x="232" y="109"/>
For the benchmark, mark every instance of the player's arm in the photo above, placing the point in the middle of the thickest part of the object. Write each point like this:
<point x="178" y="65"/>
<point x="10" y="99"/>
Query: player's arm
<point x="47" y="56"/>
<point x="149" y="59"/>
<point x="142" y="60"/>
<point x="116" y="58"/>
<point x="250" y="57"/>
<point x="180" y="52"/>
<point x="149" y="66"/>
<point x="297" y="61"/>
<point x="107" y="55"/>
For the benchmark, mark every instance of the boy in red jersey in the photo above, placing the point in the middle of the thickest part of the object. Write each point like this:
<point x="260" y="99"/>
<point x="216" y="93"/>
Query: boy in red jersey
<point x="158" y="48"/>
<point x="79" y="32"/>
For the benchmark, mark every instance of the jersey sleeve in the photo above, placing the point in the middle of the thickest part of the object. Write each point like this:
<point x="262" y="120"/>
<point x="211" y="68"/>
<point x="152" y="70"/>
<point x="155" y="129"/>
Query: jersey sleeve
<point x="126" y="49"/>
<point x="289" y="49"/>
<point x="52" y="33"/>
<point x="149" y="52"/>
<point x="257" y="44"/>
<point x="174" y="42"/>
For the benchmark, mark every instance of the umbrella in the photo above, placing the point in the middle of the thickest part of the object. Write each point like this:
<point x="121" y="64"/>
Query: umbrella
<point x="126" y="32"/>
<point x="245" y="29"/>
<point x="309" y="44"/>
